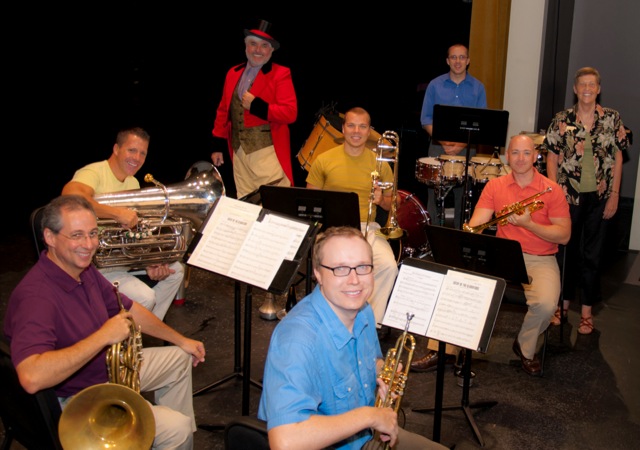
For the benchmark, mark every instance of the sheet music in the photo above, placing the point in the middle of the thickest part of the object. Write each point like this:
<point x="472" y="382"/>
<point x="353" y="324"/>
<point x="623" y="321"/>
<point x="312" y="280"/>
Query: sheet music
<point x="236" y="244"/>
<point x="462" y="308"/>
<point x="449" y="307"/>
<point x="416" y="292"/>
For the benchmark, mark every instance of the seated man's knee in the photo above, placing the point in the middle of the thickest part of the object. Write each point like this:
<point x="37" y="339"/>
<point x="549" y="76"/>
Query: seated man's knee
<point x="173" y="429"/>
<point x="142" y="294"/>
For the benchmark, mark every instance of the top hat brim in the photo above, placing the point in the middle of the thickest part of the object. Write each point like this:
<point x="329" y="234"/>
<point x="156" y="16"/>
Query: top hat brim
<point x="264" y="36"/>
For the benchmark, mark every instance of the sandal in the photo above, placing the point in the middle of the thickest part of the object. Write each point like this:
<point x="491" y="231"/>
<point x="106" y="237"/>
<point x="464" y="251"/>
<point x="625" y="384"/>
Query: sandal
<point x="557" y="319"/>
<point x="586" y="325"/>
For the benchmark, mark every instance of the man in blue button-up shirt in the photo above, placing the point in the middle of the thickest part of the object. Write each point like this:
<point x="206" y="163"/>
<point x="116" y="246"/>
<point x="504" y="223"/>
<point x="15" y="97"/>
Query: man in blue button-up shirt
<point x="320" y="377"/>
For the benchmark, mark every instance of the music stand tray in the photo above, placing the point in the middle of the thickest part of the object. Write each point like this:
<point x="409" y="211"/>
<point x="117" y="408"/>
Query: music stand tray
<point x="482" y="253"/>
<point x="330" y="208"/>
<point x="480" y="126"/>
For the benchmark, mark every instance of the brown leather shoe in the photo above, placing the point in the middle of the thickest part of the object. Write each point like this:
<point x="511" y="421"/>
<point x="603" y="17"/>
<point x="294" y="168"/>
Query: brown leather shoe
<point x="531" y="366"/>
<point x="429" y="362"/>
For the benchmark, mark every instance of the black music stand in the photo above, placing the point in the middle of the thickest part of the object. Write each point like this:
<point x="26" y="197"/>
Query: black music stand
<point x="485" y="254"/>
<point x="479" y="126"/>
<point x="280" y="284"/>
<point x="330" y="208"/>
<point x="469" y="298"/>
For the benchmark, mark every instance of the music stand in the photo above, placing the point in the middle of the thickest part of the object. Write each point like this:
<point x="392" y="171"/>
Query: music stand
<point x="205" y="252"/>
<point x="330" y="208"/>
<point x="479" y="126"/>
<point x="485" y="254"/>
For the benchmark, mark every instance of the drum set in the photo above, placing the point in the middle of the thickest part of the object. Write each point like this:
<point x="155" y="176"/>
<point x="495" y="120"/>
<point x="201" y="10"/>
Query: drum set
<point x="445" y="172"/>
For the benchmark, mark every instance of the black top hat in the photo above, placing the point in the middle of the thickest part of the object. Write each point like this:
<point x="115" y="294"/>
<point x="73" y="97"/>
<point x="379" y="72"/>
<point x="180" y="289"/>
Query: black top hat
<point x="262" y="33"/>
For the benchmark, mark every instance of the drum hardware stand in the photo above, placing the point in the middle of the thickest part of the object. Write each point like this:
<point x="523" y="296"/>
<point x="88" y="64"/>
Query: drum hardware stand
<point x="241" y="369"/>
<point x="291" y="300"/>
<point x="441" y="191"/>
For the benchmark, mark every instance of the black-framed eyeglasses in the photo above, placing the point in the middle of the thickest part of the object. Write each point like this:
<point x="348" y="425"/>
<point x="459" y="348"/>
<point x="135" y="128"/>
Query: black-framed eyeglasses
<point x="344" y="271"/>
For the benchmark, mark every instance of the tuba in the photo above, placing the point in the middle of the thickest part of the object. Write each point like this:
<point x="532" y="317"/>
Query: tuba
<point x="114" y="414"/>
<point x="168" y="217"/>
<point x="387" y="150"/>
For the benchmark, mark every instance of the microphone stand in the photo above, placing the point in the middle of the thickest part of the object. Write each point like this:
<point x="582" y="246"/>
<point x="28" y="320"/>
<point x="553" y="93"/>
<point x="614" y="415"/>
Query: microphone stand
<point x="465" y="209"/>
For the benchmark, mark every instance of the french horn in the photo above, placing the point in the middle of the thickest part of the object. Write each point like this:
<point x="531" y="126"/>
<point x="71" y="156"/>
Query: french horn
<point x="168" y="218"/>
<point x="111" y="415"/>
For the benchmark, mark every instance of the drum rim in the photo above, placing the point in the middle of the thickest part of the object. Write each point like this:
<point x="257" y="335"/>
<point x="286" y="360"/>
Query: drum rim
<point x="455" y="158"/>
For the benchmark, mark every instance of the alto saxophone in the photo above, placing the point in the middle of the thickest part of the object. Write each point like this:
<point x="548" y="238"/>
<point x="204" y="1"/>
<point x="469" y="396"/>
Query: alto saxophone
<point x="395" y="379"/>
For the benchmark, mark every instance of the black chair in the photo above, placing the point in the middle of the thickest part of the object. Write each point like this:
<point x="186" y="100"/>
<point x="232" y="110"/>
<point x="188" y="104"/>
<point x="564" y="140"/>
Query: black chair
<point x="245" y="432"/>
<point x="30" y="419"/>
<point x="36" y="229"/>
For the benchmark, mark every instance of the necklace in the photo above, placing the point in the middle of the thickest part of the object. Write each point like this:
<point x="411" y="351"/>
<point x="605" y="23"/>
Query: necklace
<point x="587" y="123"/>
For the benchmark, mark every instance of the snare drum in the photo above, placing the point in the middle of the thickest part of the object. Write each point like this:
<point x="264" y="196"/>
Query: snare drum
<point x="452" y="168"/>
<point x="485" y="168"/>
<point x="428" y="170"/>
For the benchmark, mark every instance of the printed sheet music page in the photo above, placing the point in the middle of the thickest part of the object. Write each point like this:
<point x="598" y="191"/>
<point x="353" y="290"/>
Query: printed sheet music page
<point x="237" y="244"/>
<point x="450" y="307"/>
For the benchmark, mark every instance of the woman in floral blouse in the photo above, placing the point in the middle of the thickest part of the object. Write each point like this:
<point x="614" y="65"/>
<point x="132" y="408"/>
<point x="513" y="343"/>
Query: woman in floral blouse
<point x="585" y="145"/>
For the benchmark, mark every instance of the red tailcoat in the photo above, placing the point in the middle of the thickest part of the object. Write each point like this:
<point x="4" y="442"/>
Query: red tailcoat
<point x="275" y="104"/>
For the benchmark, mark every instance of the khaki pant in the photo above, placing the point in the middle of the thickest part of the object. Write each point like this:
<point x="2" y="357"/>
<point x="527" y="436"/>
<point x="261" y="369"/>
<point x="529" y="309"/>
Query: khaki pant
<point x="256" y="169"/>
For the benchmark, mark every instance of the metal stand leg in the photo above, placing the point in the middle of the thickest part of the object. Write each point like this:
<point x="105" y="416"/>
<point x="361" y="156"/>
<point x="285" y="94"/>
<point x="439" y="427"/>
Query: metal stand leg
<point x="240" y="369"/>
<point x="465" y="406"/>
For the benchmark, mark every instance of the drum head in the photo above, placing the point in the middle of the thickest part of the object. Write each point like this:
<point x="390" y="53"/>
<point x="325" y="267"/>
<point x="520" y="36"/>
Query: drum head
<point x="412" y="217"/>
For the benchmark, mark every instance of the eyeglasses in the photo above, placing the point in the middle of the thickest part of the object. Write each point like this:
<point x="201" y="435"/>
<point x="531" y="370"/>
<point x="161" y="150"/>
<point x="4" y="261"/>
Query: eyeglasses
<point x="80" y="236"/>
<point x="344" y="271"/>
<point x="456" y="57"/>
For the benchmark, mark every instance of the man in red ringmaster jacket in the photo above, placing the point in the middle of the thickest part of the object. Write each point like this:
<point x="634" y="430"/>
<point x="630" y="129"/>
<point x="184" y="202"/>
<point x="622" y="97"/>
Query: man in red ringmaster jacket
<point x="252" y="121"/>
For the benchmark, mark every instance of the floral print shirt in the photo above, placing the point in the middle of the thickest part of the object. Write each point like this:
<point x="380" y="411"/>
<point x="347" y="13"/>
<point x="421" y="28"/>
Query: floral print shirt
<point x="565" y="137"/>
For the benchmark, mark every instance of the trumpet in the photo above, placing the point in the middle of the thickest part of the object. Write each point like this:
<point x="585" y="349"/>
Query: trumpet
<point x="529" y="203"/>
<point x="387" y="150"/>
<point x="395" y="379"/>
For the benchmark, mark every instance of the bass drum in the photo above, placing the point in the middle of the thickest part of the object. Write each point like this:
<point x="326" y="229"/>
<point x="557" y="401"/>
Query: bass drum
<point x="412" y="217"/>
<point x="324" y="136"/>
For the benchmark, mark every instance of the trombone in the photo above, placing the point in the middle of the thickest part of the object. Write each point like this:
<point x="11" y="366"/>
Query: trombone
<point x="387" y="150"/>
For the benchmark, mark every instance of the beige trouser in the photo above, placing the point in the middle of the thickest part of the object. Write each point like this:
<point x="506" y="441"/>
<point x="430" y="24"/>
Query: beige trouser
<point x="542" y="296"/>
<point x="256" y="169"/>
<point x="406" y="441"/>
<point x="385" y="270"/>
<point x="167" y="372"/>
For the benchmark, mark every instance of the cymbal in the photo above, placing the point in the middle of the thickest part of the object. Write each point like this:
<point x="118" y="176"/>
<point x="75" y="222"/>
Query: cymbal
<point x="538" y="139"/>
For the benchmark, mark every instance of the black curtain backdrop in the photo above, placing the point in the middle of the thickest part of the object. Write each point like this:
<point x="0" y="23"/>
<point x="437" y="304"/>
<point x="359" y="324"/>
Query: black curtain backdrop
<point x="76" y="76"/>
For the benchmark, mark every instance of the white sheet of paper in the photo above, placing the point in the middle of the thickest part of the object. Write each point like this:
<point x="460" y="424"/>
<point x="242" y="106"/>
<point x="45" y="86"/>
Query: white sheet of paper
<point x="449" y="307"/>
<point x="234" y="243"/>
